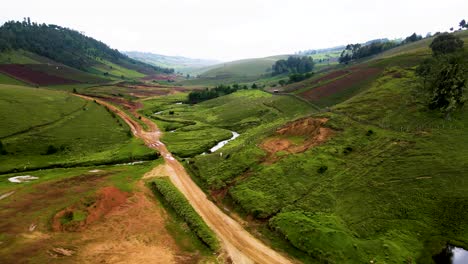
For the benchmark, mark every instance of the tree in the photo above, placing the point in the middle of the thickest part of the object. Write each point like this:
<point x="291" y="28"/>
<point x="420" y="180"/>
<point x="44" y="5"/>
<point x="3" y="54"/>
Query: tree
<point x="444" y="75"/>
<point x="446" y="43"/>
<point x="282" y="82"/>
<point x="446" y="86"/>
<point x="463" y="24"/>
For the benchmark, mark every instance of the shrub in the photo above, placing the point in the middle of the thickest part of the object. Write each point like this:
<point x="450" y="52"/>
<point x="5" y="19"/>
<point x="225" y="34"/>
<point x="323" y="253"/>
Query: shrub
<point x="322" y="169"/>
<point x="369" y="133"/>
<point x="51" y="150"/>
<point x="183" y="208"/>
<point x="347" y="150"/>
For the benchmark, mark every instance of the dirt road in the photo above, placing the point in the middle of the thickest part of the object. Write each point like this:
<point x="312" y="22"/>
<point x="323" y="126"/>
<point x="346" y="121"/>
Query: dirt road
<point x="240" y="245"/>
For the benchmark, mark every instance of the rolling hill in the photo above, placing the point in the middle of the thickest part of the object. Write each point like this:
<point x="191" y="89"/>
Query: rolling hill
<point x="41" y="54"/>
<point x="178" y="63"/>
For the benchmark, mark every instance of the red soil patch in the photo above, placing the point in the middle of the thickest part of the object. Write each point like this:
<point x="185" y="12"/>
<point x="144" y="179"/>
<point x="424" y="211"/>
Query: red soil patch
<point x="28" y="75"/>
<point x="160" y="77"/>
<point x="357" y="75"/>
<point x="311" y="129"/>
<point x="108" y="199"/>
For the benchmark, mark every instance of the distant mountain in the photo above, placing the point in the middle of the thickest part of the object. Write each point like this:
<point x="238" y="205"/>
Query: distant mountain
<point x="178" y="63"/>
<point x="71" y="48"/>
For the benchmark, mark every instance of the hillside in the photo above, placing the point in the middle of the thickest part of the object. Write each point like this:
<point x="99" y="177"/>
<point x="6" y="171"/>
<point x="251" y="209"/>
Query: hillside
<point x="178" y="63"/>
<point x="50" y="55"/>
<point x="375" y="176"/>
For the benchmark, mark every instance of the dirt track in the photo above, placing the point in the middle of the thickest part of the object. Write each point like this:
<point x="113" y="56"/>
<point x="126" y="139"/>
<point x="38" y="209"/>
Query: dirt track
<point x="240" y="245"/>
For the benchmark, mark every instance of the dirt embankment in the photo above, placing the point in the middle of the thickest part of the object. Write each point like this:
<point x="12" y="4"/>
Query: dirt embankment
<point x="307" y="132"/>
<point x="107" y="199"/>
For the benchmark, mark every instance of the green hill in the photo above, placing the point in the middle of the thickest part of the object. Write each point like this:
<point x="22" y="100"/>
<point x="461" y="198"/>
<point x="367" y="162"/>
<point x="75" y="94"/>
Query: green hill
<point x="375" y="176"/>
<point x="178" y="63"/>
<point x="29" y="43"/>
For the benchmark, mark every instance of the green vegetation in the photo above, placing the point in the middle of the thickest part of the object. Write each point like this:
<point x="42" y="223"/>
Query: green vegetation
<point x="388" y="195"/>
<point x="183" y="208"/>
<point x="44" y="128"/>
<point x="207" y="94"/>
<point x="444" y="75"/>
<point x="293" y="65"/>
<point x="188" y="125"/>
<point x="5" y="79"/>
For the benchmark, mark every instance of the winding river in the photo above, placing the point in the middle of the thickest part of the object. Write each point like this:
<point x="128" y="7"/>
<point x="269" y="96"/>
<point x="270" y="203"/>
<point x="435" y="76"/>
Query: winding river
<point x="224" y="142"/>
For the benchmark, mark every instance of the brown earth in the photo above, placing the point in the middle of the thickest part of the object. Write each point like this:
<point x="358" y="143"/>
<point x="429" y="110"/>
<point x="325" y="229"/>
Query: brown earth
<point x="310" y="83"/>
<point x="23" y="73"/>
<point x="238" y="244"/>
<point x="310" y="129"/>
<point x="107" y="198"/>
<point x="356" y="76"/>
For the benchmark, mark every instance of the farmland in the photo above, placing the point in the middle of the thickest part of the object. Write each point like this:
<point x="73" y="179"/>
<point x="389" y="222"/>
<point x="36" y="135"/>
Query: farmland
<point x="56" y="129"/>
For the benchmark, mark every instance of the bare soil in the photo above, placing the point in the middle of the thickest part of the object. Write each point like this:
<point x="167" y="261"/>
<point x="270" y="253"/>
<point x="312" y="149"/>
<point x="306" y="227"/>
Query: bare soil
<point x="22" y="72"/>
<point x="357" y="75"/>
<point x="310" y="129"/>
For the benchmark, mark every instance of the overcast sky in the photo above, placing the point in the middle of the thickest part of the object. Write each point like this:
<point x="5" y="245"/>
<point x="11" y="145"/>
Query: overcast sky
<point x="228" y="30"/>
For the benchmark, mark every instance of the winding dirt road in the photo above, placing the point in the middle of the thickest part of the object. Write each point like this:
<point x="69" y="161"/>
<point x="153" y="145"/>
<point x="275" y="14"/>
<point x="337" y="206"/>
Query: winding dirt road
<point x="240" y="245"/>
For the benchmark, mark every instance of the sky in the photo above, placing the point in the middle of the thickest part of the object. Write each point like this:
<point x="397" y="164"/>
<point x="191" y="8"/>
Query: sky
<point x="229" y="30"/>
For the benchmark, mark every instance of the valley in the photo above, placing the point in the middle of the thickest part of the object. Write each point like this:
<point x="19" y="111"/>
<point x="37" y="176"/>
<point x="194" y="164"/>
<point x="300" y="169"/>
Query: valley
<point x="284" y="159"/>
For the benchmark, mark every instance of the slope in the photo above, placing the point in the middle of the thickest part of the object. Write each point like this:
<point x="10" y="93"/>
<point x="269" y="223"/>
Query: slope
<point x="178" y="63"/>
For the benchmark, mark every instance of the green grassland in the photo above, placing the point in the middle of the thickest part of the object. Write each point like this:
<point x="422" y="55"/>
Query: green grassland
<point x="197" y="128"/>
<point x="17" y="57"/>
<point x="44" y="128"/>
<point x="396" y="194"/>
<point x="241" y="71"/>
<point x="5" y="79"/>
<point x="114" y="70"/>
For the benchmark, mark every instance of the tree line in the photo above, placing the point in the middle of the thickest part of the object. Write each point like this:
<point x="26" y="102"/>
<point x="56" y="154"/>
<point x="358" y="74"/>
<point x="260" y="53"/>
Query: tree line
<point x="195" y="97"/>
<point x="293" y="64"/>
<point x="63" y="45"/>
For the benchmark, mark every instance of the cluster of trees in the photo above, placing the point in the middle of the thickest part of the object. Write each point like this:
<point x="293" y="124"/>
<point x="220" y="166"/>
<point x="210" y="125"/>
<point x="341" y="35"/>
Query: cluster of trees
<point x="293" y="64"/>
<point x="444" y="75"/>
<point x="358" y="51"/>
<point x="207" y="94"/>
<point x="63" y="45"/>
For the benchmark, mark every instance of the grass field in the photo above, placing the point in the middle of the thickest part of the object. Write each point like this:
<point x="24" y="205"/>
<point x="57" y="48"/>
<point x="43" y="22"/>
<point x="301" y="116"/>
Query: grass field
<point x="5" y="79"/>
<point x="191" y="130"/>
<point x="43" y="128"/>
<point x="391" y="195"/>
<point x="114" y="70"/>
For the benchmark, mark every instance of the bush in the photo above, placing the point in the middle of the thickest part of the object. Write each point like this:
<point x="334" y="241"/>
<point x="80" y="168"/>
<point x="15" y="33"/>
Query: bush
<point x="369" y="133"/>
<point x="51" y="150"/>
<point x="322" y="169"/>
<point x="347" y="150"/>
<point x="183" y="208"/>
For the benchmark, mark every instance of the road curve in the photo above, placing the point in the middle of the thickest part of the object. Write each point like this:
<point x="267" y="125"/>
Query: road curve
<point x="240" y="245"/>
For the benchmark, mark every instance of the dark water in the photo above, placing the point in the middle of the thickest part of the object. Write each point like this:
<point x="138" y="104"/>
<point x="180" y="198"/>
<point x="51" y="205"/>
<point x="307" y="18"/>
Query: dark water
<point x="452" y="255"/>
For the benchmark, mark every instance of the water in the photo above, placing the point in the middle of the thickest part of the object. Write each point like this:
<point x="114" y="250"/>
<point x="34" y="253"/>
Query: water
<point x="224" y="142"/>
<point x="452" y="255"/>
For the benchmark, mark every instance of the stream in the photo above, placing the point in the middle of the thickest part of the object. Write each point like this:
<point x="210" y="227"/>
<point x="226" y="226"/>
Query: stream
<point x="452" y="255"/>
<point x="224" y="142"/>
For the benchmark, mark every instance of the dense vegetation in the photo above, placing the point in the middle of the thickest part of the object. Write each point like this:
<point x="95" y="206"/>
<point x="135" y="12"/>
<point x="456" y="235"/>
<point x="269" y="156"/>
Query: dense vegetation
<point x="207" y="94"/>
<point x="293" y="64"/>
<point x="63" y="45"/>
<point x="444" y="75"/>
<point x="183" y="208"/>
<point x="358" y="51"/>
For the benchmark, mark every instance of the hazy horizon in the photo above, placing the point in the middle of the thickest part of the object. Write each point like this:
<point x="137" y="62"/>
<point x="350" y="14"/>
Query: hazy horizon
<point x="222" y="30"/>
